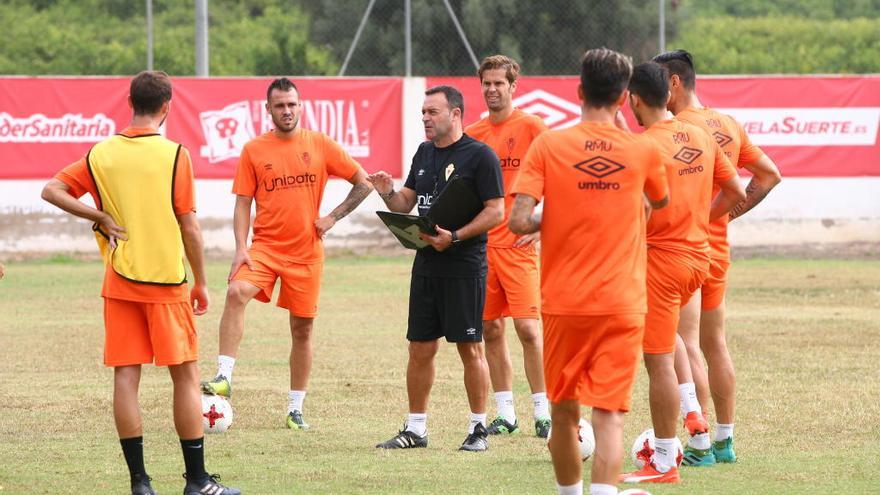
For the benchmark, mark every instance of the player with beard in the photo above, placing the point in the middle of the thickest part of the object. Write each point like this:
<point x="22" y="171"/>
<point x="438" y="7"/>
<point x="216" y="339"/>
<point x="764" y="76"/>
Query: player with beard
<point x="285" y="170"/>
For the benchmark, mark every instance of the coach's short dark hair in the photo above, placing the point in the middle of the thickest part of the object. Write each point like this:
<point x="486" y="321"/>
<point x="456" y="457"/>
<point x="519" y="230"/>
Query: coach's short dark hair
<point x="281" y="84"/>
<point x="650" y="82"/>
<point x="453" y="96"/>
<point x="604" y="76"/>
<point x="680" y="63"/>
<point x="149" y="90"/>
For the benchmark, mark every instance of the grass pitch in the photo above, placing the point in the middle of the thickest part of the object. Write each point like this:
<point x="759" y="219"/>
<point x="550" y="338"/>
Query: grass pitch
<point x="804" y="336"/>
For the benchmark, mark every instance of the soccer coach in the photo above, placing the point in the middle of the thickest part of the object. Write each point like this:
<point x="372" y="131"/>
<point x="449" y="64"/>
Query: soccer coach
<point x="448" y="285"/>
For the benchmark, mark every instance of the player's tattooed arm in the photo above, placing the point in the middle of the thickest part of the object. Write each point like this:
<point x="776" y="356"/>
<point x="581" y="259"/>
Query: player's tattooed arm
<point x="357" y="194"/>
<point x="360" y="189"/>
<point x="523" y="219"/>
<point x="765" y="177"/>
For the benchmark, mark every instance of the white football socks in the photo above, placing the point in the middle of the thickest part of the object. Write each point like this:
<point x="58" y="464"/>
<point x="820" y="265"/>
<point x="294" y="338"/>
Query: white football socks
<point x="474" y="419"/>
<point x="225" y="365"/>
<point x="700" y="441"/>
<point x="295" y="400"/>
<point x="664" y="454"/>
<point x="602" y="489"/>
<point x="723" y="432"/>
<point x="688" y="398"/>
<point x="417" y="423"/>
<point x="542" y="405"/>
<point x="504" y="402"/>
<point x="575" y="489"/>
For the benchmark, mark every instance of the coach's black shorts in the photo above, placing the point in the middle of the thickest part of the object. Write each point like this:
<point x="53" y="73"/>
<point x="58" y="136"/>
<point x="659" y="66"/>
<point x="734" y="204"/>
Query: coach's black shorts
<point x="446" y="307"/>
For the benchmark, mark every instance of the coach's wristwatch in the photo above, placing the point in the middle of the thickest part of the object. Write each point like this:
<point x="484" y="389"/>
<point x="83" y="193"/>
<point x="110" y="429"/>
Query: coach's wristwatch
<point x="388" y="195"/>
<point x="455" y="239"/>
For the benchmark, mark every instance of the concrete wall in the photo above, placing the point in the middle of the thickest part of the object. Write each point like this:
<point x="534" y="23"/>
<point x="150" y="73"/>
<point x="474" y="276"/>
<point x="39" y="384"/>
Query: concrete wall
<point x="798" y="211"/>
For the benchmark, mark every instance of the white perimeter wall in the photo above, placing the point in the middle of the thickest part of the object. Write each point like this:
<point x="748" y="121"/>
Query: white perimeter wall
<point x="799" y="210"/>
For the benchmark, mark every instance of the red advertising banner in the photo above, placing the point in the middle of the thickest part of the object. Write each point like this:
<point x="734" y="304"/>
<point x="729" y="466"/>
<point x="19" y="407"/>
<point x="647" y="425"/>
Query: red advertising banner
<point x="810" y="126"/>
<point x="46" y="123"/>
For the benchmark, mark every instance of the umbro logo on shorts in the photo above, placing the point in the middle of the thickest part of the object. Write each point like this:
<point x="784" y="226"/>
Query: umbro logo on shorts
<point x="471" y="331"/>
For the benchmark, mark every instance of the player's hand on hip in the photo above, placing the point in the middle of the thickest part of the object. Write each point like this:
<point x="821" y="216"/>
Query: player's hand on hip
<point x="199" y="298"/>
<point x="382" y="182"/>
<point x="241" y="258"/>
<point x="113" y="231"/>
<point x="528" y="239"/>
<point x="439" y="242"/>
<point x="323" y="224"/>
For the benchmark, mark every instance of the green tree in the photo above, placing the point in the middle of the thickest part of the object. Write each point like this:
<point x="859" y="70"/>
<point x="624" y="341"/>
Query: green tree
<point x="108" y="37"/>
<point x="782" y="45"/>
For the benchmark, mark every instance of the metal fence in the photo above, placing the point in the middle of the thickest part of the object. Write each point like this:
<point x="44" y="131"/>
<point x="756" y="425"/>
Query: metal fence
<point x="448" y="37"/>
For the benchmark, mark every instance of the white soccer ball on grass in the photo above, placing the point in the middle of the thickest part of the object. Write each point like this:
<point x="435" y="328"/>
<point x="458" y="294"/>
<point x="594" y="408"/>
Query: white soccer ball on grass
<point x="643" y="448"/>
<point x="216" y="413"/>
<point x="586" y="438"/>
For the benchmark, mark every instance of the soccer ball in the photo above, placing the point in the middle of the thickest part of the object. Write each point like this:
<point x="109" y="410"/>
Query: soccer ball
<point x="634" y="491"/>
<point x="643" y="449"/>
<point x="216" y="413"/>
<point x="586" y="438"/>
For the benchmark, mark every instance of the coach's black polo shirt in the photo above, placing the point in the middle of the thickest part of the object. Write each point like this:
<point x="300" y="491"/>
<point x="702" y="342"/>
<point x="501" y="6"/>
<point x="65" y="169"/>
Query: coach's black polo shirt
<point x="473" y="162"/>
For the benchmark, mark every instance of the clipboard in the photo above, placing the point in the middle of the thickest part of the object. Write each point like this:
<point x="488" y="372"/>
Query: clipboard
<point x="453" y="208"/>
<point x="407" y="227"/>
<point x="456" y="205"/>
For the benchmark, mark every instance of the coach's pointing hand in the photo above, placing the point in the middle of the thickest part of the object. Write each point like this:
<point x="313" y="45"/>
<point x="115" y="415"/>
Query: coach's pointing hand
<point x="382" y="182"/>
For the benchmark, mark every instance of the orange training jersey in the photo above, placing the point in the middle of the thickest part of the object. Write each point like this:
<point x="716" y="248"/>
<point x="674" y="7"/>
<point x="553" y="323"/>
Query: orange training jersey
<point x="510" y="140"/>
<point x="593" y="178"/>
<point x="694" y="162"/>
<point x="286" y="177"/>
<point x="79" y="180"/>
<point x="738" y="148"/>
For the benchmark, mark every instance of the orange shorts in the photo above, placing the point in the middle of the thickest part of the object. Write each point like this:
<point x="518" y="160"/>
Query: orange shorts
<point x="713" y="289"/>
<point x="513" y="285"/>
<point x="671" y="280"/>
<point x="592" y="359"/>
<point x="141" y="333"/>
<point x="300" y="283"/>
